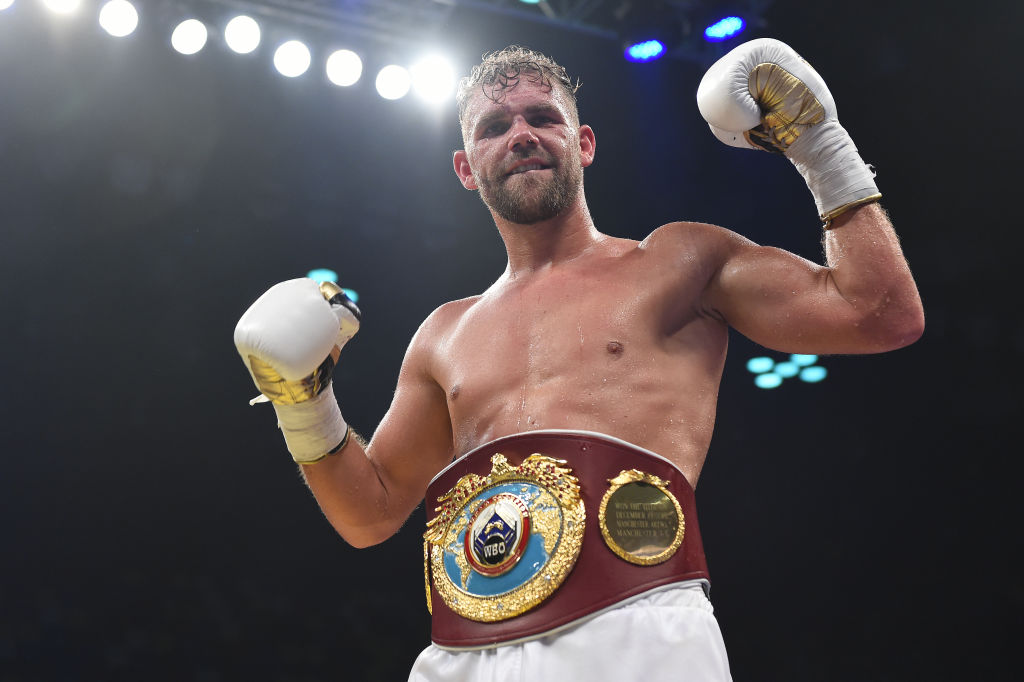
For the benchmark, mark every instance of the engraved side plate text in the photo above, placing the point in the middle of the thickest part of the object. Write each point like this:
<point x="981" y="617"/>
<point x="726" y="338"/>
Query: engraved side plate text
<point x="641" y="520"/>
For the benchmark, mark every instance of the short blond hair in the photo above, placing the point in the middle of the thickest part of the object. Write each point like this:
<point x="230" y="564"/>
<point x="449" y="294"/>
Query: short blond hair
<point x="501" y="71"/>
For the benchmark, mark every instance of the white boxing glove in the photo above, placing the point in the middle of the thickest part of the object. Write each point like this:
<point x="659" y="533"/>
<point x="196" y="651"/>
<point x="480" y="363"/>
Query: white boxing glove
<point x="290" y="340"/>
<point x="763" y="95"/>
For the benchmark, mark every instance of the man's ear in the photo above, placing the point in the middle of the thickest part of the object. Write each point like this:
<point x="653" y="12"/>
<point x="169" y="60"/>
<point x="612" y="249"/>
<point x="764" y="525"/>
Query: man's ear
<point x="588" y="145"/>
<point x="462" y="169"/>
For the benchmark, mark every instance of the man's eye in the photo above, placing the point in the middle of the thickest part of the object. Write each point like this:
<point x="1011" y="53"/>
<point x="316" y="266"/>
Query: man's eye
<point x="494" y="129"/>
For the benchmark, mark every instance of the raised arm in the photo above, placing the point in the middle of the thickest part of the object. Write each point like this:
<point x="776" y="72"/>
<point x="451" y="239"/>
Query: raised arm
<point x="367" y="492"/>
<point x="863" y="301"/>
<point x="290" y="339"/>
<point x="763" y="95"/>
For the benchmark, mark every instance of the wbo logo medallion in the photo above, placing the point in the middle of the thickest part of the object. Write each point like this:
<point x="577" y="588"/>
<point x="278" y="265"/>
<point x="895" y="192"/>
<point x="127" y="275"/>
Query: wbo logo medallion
<point x="497" y="534"/>
<point x="503" y="543"/>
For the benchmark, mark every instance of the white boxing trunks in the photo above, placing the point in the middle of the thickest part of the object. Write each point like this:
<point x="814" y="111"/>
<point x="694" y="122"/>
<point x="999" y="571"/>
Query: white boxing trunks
<point x="669" y="633"/>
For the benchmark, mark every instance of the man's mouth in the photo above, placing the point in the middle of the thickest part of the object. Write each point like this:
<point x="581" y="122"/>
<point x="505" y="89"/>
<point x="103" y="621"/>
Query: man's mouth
<point x="527" y="167"/>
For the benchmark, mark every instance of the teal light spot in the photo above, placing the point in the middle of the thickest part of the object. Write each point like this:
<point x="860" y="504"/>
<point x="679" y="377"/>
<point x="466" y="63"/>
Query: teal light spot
<point x="813" y="375"/>
<point x="803" y="360"/>
<point x="352" y="295"/>
<point x="786" y="369"/>
<point x="769" y="380"/>
<point x="760" y="365"/>
<point x="323" y="275"/>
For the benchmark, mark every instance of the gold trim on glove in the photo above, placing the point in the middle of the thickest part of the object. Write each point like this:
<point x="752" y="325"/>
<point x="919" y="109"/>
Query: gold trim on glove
<point x="283" y="392"/>
<point x="827" y="218"/>
<point x="788" y="107"/>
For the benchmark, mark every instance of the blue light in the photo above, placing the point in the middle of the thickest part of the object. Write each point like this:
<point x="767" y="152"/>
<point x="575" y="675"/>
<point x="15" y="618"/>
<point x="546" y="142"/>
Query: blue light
<point x="530" y="2"/>
<point x="803" y="360"/>
<point x="723" y="29"/>
<point x="647" y="51"/>
<point x="786" y="369"/>
<point x="760" y="365"/>
<point x="352" y="295"/>
<point x="323" y="275"/>
<point x="813" y="375"/>
<point x="769" y="380"/>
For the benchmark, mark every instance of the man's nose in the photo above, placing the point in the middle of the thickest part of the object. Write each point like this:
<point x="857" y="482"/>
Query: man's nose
<point x="521" y="135"/>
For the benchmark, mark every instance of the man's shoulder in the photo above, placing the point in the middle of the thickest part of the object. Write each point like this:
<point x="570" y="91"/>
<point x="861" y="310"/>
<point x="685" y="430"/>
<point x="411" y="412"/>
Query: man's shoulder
<point x="447" y="315"/>
<point x="688" y="240"/>
<point x="684" y="231"/>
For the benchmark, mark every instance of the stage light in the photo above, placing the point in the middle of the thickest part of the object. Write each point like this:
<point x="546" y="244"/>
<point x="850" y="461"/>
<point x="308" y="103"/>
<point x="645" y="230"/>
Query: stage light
<point x="62" y="6"/>
<point x="292" y="59"/>
<point x="328" y="275"/>
<point x="723" y="29"/>
<point x="433" y="78"/>
<point x="344" y="67"/>
<point x="645" y="51"/>
<point x="119" y="18"/>
<point x="242" y="34"/>
<point x="323" y="275"/>
<point x="530" y="2"/>
<point x="786" y="370"/>
<point x="189" y="36"/>
<point x="393" y="82"/>
<point x="4" y="4"/>
<point x="813" y="375"/>
<point x="770" y="373"/>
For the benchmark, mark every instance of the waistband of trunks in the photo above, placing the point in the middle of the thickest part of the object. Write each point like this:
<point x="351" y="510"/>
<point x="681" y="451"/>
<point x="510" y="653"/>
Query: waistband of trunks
<point x="541" y="529"/>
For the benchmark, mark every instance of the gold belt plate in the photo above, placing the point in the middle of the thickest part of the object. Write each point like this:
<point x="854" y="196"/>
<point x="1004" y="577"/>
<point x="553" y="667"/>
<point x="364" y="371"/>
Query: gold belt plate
<point x="503" y="543"/>
<point x="641" y="520"/>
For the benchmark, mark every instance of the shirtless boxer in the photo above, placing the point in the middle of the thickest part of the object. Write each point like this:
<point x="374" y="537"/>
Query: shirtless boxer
<point x="589" y="334"/>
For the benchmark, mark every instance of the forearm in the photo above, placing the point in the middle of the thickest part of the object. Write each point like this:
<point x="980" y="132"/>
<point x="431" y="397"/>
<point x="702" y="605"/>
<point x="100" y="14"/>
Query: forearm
<point x="868" y="269"/>
<point x="353" y="495"/>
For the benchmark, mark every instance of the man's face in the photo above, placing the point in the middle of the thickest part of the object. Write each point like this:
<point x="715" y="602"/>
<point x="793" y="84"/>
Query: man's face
<point x="523" y="153"/>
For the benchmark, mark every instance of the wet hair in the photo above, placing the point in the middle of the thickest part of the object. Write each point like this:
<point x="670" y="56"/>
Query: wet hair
<point x="502" y="71"/>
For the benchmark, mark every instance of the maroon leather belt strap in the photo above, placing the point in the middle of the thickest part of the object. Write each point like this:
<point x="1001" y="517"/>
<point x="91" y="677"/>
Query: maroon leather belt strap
<point x="490" y="524"/>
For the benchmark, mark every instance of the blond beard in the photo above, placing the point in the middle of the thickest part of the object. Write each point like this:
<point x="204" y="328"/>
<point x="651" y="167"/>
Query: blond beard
<point x="522" y="207"/>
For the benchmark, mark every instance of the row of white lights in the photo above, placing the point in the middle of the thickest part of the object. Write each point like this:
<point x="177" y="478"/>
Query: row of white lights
<point x="432" y="78"/>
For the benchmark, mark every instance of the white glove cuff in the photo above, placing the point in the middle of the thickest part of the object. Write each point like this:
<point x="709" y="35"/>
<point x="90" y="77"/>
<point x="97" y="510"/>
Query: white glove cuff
<point x="312" y="428"/>
<point x="833" y="170"/>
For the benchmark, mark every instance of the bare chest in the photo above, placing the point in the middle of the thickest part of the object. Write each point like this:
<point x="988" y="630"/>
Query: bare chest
<point x="590" y="353"/>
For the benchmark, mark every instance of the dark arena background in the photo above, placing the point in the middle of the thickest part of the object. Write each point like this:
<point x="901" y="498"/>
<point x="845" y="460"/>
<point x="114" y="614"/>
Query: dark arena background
<point x="863" y="527"/>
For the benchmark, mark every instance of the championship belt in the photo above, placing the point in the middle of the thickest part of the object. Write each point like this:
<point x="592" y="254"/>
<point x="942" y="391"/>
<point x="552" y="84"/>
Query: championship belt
<point x="538" y="530"/>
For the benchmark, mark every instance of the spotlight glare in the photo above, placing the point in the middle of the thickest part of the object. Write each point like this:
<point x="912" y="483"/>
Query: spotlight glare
<point x="323" y="275"/>
<point x="786" y="369"/>
<point x="242" y="34"/>
<point x="769" y="380"/>
<point x="760" y="365"/>
<point x="4" y="4"/>
<point x="723" y="29"/>
<point x="344" y="67"/>
<point x="803" y="360"/>
<point x="393" y="82"/>
<point x="292" y="59"/>
<point x="813" y="375"/>
<point x="62" y="6"/>
<point x="433" y="78"/>
<point x="119" y="18"/>
<point x="645" y="51"/>
<point x="352" y="295"/>
<point x="189" y="36"/>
